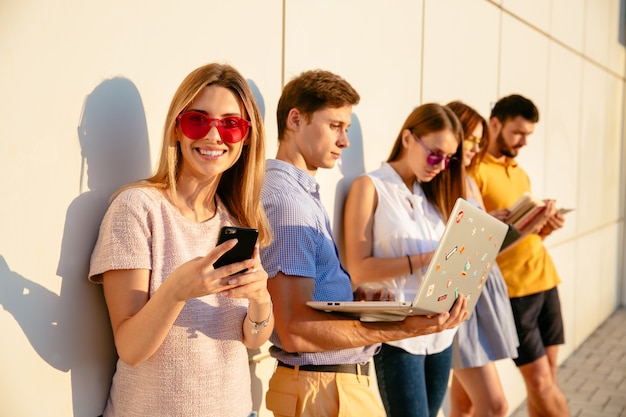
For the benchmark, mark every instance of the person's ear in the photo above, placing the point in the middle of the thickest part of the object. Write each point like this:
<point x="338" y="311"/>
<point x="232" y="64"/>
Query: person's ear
<point x="294" y="119"/>
<point x="494" y="126"/>
<point x="406" y="137"/>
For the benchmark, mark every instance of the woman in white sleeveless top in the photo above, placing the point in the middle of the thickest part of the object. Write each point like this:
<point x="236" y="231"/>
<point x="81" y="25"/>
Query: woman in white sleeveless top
<point x="393" y="219"/>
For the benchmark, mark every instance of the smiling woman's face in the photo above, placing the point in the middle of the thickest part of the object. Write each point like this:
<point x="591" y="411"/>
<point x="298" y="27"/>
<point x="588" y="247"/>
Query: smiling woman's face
<point x="210" y="156"/>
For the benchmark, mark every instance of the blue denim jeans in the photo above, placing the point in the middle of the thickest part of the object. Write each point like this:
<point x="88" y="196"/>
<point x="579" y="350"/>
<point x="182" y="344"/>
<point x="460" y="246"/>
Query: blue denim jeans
<point x="412" y="385"/>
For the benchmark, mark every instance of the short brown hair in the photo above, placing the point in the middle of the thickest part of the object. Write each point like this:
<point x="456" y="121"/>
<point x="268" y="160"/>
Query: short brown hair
<point x="312" y="91"/>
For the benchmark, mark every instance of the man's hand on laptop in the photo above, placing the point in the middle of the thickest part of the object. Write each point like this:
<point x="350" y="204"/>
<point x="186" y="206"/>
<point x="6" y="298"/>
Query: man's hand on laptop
<point x="423" y="325"/>
<point x="366" y="292"/>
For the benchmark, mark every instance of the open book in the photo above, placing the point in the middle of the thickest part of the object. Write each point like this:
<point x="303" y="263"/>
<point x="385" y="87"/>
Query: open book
<point x="524" y="211"/>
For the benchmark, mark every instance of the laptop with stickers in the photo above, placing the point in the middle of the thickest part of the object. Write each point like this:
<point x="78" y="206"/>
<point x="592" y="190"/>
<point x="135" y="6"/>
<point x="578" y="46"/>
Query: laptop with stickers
<point x="460" y="265"/>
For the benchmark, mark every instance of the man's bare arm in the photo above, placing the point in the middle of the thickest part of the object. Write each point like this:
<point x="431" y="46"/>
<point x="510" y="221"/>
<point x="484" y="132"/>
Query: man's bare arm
<point x="304" y="329"/>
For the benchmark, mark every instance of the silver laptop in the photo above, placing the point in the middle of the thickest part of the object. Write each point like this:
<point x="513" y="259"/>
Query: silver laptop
<point x="467" y="250"/>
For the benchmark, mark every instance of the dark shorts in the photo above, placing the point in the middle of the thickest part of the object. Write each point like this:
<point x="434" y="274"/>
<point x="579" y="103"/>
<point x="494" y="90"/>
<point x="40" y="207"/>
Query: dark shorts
<point x="539" y="324"/>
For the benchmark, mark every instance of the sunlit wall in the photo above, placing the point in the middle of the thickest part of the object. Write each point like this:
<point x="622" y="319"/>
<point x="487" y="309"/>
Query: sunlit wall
<point x="85" y="85"/>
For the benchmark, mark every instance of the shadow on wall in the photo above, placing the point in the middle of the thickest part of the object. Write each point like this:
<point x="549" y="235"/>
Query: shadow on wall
<point x="258" y="97"/>
<point x="622" y="22"/>
<point x="72" y="331"/>
<point x="351" y="165"/>
<point x="257" y="389"/>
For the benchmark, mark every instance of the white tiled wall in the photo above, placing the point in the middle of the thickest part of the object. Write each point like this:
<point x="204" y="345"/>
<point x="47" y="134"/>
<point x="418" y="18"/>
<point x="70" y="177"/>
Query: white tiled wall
<point x="561" y="144"/>
<point x="85" y="87"/>
<point x="535" y="13"/>
<point x="461" y="56"/>
<point x="568" y="22"/>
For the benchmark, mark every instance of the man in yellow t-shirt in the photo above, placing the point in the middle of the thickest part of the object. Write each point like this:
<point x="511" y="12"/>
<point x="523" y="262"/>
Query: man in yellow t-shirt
<point x="527" y="267"/>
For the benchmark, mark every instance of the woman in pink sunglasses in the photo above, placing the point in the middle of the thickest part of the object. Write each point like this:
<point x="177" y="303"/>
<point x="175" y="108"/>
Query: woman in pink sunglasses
<point x="182" y="327"/>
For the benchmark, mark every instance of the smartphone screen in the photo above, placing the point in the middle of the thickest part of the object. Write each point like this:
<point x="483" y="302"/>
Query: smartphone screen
<point x="246" y="239"/>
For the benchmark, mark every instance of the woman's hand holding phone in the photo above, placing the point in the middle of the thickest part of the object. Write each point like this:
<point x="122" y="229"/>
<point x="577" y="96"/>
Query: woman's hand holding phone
<point x="245" y="280"/>
<point x="204" y="275"/>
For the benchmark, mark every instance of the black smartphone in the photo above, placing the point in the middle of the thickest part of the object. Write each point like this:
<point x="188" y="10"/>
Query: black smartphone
<point x="246" y="239"/>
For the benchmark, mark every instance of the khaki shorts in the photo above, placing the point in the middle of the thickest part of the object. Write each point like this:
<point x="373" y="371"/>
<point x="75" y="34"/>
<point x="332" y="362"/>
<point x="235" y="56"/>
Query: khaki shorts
<point x="295" y="393"/>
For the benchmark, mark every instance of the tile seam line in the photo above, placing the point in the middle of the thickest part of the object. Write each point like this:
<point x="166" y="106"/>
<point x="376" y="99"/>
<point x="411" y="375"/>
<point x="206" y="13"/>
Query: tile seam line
<point x="542" y="32"/>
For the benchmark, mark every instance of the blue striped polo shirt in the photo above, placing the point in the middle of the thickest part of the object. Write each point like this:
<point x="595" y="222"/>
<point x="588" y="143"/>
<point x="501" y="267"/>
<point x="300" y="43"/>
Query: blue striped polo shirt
<point x="303" y="246"/>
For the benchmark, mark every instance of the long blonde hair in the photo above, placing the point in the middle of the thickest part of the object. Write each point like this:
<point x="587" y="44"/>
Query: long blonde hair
<point x="239" y="187"/>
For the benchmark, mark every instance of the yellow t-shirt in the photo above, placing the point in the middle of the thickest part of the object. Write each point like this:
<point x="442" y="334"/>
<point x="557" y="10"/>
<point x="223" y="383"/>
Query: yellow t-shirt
<point x="527" y="268"/>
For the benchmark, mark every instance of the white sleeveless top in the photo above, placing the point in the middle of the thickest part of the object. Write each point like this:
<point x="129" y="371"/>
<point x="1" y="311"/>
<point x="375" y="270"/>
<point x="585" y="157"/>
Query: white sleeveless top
<point x="406" y="223"/>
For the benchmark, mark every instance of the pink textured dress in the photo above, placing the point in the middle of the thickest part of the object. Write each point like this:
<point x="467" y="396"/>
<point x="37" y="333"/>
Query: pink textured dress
<point x="201" y="369"/>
